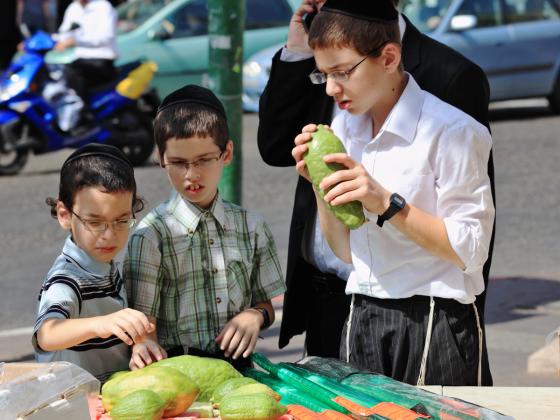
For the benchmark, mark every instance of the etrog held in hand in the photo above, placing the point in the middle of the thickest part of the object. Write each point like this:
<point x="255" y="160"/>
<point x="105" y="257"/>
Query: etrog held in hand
<point x="324" y="142"/>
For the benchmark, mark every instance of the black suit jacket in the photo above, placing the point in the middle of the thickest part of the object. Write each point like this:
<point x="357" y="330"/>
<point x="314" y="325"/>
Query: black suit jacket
<point x="290" y="101"/>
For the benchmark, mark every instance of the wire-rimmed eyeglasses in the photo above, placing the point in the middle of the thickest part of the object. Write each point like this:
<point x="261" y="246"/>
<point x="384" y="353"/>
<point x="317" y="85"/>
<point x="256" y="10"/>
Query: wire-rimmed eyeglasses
<point x="98" y="226"/>
<point x="183" y="166"/>
<point x="318" y="78"/>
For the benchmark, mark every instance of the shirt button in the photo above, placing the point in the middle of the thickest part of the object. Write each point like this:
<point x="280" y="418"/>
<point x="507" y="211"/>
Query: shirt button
<point x="218" y="300"/>
<point x="211" y="241"/>
<point x="191" y="231"/>
<point x="214" y="270"/>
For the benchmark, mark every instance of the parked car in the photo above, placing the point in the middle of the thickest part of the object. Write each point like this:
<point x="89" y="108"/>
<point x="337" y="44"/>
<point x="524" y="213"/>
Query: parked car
<point x="516" y="42"/>
<point x="174" y="34"/>
<point x="255" y="75"/>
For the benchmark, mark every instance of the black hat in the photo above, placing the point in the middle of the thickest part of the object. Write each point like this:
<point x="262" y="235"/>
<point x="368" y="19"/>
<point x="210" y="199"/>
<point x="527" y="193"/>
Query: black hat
<point x="371" y="10"/>
<point x="193" y="94"/>
<point x="97" y="149"/>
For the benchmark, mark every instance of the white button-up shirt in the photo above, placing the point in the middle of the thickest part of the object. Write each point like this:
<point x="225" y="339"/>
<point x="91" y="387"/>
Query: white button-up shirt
<point x="97" y="32"/>
<point x="319" y="252"/>
<point x="436" y="157"/>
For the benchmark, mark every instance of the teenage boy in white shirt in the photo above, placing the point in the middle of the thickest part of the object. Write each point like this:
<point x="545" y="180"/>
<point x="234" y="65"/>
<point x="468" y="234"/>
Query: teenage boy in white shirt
<point x="419" y="167"/>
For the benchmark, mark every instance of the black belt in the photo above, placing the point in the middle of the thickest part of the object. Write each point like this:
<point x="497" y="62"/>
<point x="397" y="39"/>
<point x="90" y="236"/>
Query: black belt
<point x="412" y="300"/>
<point x="327" y="283"/>
<point x="239" y="363"/>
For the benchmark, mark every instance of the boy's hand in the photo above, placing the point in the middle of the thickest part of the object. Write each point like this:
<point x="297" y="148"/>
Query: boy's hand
<point x="128" y="324"/>
<point x="146" y="353"/>
<point x="300" y="148"/>
<point x="354" y="183"/>
<point x="239" y="336"/>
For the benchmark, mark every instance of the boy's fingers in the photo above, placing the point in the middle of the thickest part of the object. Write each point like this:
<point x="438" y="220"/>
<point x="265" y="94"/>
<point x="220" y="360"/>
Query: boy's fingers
<point x="309" y="128"/>
<point x="243" y="344"/>
<point x="122" y="335"/>
<point x="157" y="351"/>
<point x="138" y="362"/>
<point x="233" y="344"/>
<point x="252" y="345"/>
<point x="227" y="332"/>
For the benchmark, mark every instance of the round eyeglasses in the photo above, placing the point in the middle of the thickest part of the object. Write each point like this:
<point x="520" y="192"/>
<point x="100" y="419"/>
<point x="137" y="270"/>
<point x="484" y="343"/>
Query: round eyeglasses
<point x="98" y="226"/>
<point x="183" y="166"/>
<point x="319" y="78"/>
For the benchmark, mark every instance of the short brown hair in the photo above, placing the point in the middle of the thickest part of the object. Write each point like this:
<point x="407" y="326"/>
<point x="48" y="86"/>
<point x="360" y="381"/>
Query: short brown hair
<point x="331" y="30"/>
<point x="184" y="120"/>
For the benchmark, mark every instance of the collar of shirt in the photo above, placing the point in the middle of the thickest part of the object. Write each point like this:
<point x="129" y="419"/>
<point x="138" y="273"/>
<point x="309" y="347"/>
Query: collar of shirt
<point x="83" y="260"/>
<point x="189" y="215"/>
<point x="402" y="121"/>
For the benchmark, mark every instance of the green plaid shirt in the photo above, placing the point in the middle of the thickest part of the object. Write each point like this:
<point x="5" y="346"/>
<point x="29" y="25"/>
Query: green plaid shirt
<point x="194" y="270"/>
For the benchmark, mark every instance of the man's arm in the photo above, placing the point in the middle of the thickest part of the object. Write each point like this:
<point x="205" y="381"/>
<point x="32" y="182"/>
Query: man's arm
<point x="290" y="100"/>
<point x="284" y="108"/>
<point x="469" y="91"/>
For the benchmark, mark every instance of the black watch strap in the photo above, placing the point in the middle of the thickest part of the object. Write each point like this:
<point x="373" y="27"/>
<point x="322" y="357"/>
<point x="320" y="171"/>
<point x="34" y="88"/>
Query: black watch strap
<point x="397" y="203"/>
<point x="266" y="317"/>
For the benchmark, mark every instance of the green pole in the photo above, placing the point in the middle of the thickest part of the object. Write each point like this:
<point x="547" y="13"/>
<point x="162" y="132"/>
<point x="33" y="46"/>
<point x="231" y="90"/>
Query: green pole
<point x="226" y="20"/>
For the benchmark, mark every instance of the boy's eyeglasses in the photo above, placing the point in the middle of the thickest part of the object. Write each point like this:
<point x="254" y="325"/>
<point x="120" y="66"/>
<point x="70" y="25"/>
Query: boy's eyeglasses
<point x="100" y="227"/>
<point x="318" y="78"/>
<point x="183" y="166"/>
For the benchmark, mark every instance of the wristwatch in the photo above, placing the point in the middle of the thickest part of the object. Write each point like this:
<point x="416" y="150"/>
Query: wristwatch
<point x="397" y="204"/>
<point x="266" y="317"/>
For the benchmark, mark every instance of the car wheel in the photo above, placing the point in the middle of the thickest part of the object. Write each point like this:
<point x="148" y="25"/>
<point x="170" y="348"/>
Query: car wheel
<point x="554" y="98"/>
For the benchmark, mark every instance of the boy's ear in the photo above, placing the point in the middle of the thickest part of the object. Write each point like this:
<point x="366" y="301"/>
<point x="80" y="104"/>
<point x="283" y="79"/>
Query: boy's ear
<point x="391" y="57"/>
<point x="64" y="216"/>
<point x="228" y="152"/>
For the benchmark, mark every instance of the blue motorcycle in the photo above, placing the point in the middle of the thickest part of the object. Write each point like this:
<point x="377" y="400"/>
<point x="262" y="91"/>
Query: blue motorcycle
<point x="121" y="111"/>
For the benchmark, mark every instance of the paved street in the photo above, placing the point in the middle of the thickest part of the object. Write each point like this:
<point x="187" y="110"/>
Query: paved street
<point x="524" y="294"/>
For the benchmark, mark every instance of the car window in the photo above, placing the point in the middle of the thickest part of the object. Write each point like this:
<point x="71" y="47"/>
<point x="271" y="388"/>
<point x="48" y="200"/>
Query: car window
<point x="134" y="13"/>
<point x="426" y="15"/>
<point x="190" y="20"/>
<point x="266" y="13"/>
<point x="487" y="12"/>
<point x="531" y="10"/>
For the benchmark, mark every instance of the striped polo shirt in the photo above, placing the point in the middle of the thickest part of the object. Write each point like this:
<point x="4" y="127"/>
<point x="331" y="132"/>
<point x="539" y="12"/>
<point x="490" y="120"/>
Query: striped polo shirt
<point x="77" y="286"/>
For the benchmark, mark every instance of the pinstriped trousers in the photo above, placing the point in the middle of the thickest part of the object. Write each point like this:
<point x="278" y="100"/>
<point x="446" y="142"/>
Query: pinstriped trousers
<point x="387" y="336"/>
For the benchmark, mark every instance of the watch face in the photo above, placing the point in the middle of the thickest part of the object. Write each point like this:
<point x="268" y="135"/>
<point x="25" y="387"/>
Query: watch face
<point x="398" y="200"/>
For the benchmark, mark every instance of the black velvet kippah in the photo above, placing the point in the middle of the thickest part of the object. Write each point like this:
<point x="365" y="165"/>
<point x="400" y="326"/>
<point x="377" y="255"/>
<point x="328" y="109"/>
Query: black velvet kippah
<point x="97" y="149"/>
<point x="371" y="10"/>
<point x="193" y="94"/>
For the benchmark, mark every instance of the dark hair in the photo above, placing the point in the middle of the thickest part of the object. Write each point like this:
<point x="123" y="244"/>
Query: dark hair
<point x="330" y="30"/>
<point x="396" y="3"/>
<point x="184" y="120"/>
<point x="95" y="171"/>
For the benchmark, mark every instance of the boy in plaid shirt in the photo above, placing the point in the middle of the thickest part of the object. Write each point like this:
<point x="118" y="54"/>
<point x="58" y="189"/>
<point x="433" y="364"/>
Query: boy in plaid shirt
<point x="204" y="269"/>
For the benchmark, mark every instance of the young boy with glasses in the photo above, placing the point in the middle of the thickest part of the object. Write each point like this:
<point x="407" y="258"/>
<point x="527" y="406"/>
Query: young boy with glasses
<point x="203" y="269"/>
<point x="419" y="167"/>
<point x="83" y="316"/>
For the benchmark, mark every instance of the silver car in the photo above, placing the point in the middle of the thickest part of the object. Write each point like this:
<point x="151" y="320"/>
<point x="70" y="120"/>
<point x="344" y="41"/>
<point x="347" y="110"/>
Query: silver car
<point x="516" y="42"/>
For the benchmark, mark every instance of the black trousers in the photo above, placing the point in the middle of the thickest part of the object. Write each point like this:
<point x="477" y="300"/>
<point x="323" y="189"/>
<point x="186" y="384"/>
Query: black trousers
<point x="239" y="364"/>
<point x="88" y="72"/>
<point x="387" y="336"/>
<point x="329" y="306"/>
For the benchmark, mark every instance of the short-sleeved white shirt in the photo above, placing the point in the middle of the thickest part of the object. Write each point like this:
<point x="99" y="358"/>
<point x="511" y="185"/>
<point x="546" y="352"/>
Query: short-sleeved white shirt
<point x="436" y="157"/>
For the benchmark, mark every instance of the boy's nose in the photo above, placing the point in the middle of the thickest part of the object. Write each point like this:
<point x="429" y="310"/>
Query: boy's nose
<point x="332" y="88"/>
